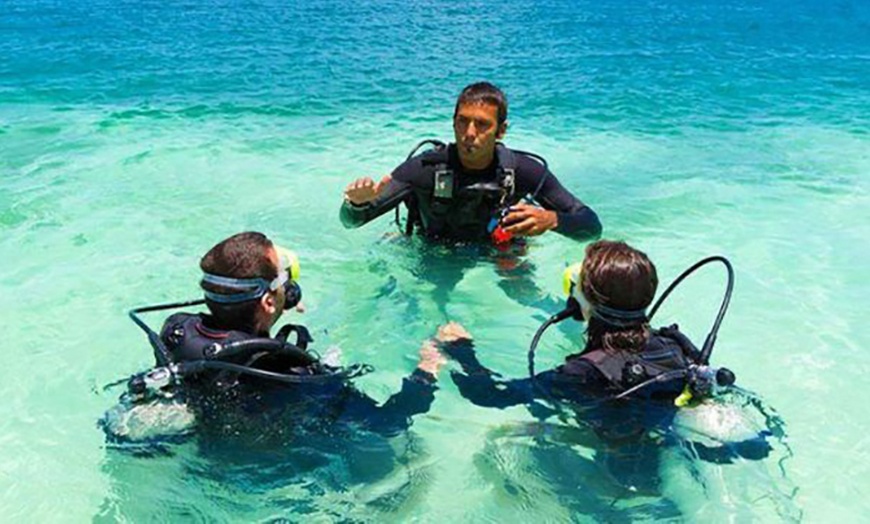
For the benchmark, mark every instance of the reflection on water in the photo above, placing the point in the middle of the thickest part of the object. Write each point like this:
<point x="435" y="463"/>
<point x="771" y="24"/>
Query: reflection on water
<point x="724" y="459"/>
<point x="441" y="267"/>
<point x="290" y="460"/>
<point x="287" y="455"/>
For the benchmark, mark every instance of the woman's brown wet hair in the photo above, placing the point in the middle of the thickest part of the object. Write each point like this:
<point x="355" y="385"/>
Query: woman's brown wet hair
<point x="618" y="276"/>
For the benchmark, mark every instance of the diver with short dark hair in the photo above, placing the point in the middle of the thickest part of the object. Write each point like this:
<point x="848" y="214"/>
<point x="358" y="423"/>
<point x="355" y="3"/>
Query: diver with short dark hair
<point x="227" y="355"/>
<point x="475" y="189"/>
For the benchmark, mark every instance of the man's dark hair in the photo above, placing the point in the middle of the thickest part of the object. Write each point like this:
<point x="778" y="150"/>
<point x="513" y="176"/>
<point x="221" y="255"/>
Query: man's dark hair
<point x="244" y="255"/>
<point x="483" y="93"/>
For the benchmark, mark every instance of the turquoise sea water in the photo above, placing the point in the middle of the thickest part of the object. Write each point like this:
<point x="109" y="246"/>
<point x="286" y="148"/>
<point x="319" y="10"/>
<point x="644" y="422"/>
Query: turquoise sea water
<point x="134" y="135"/>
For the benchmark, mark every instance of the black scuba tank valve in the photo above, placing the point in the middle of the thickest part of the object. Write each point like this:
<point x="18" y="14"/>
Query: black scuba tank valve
<point x="725" y="377"/>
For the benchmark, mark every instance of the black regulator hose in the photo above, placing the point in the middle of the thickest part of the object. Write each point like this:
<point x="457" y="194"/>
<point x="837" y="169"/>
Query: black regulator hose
<point x="664" y="377"/>
<point x="437" y="144"/>
<point x="707" y="348"/>
<point x="543" y="162"/>
<point x="273" y="346"/>
<point x="197" y="366"/>
<point x="153" y="338"/>
<point x="572" y="310"/>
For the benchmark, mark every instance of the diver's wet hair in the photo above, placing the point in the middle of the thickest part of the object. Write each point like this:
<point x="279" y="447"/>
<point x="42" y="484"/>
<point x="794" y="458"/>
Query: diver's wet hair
<point x="621" y="277"/>
<point x="244" y="255"/>
<point x="483" y="93"/>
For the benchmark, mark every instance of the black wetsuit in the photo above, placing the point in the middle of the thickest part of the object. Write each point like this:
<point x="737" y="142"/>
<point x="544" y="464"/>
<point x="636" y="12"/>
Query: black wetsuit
<point x="474" y="198"/>
<point x="582" y="375"/>
<point x="230" y="399"/>
<point x="587" y="380"/>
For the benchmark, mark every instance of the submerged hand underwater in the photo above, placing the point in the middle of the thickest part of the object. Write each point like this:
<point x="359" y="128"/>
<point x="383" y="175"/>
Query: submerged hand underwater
<point x="220" y="372"/>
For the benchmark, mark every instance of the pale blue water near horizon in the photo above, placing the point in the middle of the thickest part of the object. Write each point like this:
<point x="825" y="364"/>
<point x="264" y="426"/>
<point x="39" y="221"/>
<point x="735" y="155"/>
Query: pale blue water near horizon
<point x="134" y="135"/>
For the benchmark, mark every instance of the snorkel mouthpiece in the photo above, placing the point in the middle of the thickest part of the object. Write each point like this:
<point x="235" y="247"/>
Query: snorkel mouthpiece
<point x="572" y="310"/>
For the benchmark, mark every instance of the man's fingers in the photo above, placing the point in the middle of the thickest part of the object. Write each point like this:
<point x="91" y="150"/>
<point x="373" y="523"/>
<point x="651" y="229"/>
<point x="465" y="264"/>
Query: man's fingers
<point x="521" y="227"/>
<point x="427" y="347"/>
<point x="517" y="215"/>
<point x="360" y="183"/>
<point x="384" y="181"/>
<point x="522" y="207"/>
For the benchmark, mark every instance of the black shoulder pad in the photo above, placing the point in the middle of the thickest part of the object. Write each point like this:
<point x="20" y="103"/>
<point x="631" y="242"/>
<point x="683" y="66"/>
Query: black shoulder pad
<point x="608" y="364"/>
<point x="435" y="157"/>
<point x="506" y="157"/>
<point x="673" y="332"/>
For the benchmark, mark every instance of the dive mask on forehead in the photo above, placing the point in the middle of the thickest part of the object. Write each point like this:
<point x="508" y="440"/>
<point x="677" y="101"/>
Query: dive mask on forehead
<point x="253" y="288"/>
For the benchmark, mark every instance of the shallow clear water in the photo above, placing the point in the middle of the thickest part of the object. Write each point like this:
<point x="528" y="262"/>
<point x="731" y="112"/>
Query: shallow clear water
<point x="134" y="135"/>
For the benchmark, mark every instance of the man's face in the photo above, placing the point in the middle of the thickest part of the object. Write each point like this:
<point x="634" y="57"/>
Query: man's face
<point x="477" y="129"/>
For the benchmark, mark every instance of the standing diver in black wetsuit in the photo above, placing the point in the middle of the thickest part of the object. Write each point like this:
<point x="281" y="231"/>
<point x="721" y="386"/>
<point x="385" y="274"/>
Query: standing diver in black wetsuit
<point x="473" y="190"/>
<point x="227" y="357"/>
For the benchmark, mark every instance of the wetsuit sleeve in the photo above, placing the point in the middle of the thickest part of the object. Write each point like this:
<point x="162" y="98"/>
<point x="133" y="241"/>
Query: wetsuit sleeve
<point x="394" y="193"/>
<point x="415" y="398"/>
<point x="573" y="380"/>
<point x="576" y="219"/>
<point x="577" y="374"/>
<point x="481" y="386"/>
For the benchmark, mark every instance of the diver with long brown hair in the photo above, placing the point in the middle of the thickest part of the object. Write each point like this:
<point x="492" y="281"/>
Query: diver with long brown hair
<point x="628" y="381"/>
<point x="613" y="289"/>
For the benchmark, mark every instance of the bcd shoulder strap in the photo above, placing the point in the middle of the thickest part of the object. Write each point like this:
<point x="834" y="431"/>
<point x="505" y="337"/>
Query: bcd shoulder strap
<point x="688" y="348"/>
<point x="507" y="170"/>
